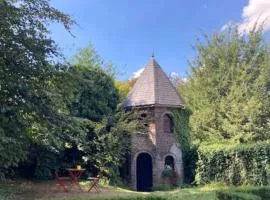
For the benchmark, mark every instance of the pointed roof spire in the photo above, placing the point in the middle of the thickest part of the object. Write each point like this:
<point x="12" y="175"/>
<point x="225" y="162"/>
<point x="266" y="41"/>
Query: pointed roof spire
<point x="153" y="88"/>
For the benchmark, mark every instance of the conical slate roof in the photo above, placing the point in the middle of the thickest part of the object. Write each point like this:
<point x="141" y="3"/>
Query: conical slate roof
<point x="153" y="88"/>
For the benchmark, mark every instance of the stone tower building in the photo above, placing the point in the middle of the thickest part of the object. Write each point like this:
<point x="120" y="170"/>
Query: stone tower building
<point x="154" y="94"/>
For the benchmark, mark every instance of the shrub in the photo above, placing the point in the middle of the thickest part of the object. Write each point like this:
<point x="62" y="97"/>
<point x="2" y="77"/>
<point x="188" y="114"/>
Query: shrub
<point x="190" y="158"/>
<point x="234" y="164"/>
<point x="168" y="172"/>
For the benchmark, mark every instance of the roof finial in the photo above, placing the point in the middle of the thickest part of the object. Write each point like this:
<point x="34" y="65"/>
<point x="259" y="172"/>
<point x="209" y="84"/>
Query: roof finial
<point x="153" y="55"/>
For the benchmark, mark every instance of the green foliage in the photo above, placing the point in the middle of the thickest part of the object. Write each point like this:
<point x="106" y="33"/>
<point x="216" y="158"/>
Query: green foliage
<point x="181" y="127"/>
<point x="234" y="164"/>
<point x="163" y="187"/>
<point x="190" y="158"/>
<point x="228" y="94"/>
<point x="51" y="115"/>
<point x="26" y="109"/>
<point x="167" y="172"/>
<point x="108" y="144"/>
<point x="248" y="193"/>
<point x="236" y="196"/>
<point x="46" y="163"/>
<point x="228" y="88"/>
<point x="90" y="97"/>
<point x="91" y="93"/>
<point x="98" y="138"/>
<point x="89" y="57"/>
<point x="141" y="198"/>
<point x="123" y="87"/>
<point x="7" y="191"/>
<point x="263" y="192"/>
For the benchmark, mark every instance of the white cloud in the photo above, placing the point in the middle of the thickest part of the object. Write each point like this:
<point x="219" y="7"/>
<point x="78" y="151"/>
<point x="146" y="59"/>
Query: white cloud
<point x="257" y="11"/>
<point x="137" y="73"/>
<point x="184" y="79"/>
<point x="174" y="74"/>
<point x="175" y="77"/>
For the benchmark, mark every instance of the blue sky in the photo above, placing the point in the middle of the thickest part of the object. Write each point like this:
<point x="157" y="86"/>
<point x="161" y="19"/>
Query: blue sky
<point x="126" y="32"/>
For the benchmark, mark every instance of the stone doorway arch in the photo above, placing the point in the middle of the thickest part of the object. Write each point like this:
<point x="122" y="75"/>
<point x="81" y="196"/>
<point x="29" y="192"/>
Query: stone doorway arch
<point x="144" y="172"/>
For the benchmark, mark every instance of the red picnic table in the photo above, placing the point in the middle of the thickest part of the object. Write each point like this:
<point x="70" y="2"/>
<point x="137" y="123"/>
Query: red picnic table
<point x="75" y="175"/>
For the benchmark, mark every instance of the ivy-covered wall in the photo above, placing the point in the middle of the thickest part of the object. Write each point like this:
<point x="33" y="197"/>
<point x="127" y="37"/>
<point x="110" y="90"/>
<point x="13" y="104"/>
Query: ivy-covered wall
<point x="182" y="130"/>
<point x="181" y="127"/>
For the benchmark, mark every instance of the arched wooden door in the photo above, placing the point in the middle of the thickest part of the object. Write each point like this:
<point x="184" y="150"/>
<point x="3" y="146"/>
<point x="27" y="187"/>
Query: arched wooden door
<point x="144" y="172"/>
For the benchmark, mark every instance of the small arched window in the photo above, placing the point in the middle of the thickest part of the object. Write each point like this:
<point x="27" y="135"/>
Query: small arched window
<point x="144" y="119"/>
<point x="168" y="123"/>
<point x="169" y="161"/>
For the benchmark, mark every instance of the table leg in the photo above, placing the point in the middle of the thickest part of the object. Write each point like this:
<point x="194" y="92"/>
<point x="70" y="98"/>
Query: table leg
<point x="75" y="179"/>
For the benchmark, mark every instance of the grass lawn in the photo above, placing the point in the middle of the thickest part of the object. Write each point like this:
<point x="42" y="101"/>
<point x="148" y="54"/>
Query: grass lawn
<point x="26" y="190"/>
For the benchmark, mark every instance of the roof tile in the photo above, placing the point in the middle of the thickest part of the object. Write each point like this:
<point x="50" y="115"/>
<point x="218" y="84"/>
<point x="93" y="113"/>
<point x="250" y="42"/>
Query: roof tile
<point x="153" y="87"/>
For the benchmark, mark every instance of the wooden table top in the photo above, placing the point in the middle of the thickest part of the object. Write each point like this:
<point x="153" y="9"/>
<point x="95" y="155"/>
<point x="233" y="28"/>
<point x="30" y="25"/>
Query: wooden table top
<point x="75" y="169"/>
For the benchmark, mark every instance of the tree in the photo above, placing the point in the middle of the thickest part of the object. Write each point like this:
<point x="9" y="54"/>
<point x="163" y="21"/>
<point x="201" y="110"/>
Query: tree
<point x="87" y="87"/>
<point x="88" y="94"/>
<point x="26" y="66"/>
<point x="228" y="88"/>
<point x="95" y="96"/>
<point x="54" y="115"/>
<point x="123" y="87"/>
<point x="89" y="57"/>
<point x="109" y="142"/>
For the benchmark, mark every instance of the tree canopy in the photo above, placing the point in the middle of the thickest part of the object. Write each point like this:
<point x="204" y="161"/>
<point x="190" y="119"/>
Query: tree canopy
<point x="26" y="65"/>
<point x="89" y="96"/>
<point x="52" y="114"/>
<point x="228" y="89"/>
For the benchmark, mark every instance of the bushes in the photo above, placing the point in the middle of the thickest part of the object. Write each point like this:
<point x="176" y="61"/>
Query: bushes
<point x="236" y="165"/>
<point x="190" y="158"/>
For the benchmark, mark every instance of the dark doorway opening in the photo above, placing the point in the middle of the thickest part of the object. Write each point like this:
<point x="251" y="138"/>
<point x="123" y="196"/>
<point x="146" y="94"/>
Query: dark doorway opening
<point x="144" y="172"/>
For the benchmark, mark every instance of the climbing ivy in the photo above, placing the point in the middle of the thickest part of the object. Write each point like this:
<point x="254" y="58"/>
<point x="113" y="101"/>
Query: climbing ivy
<point x="181" y="129"/>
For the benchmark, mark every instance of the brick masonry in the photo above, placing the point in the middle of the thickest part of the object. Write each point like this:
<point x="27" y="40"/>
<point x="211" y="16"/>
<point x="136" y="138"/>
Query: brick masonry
<point x="158" y="144"/>
<point x="154" y="93"/>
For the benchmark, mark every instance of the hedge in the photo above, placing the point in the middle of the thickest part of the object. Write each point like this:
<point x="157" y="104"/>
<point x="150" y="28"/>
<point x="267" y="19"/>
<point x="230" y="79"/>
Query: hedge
<point x="234" y="164"/>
